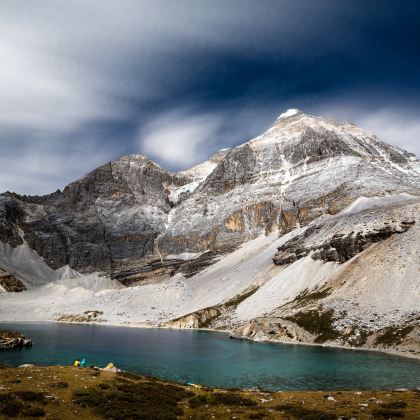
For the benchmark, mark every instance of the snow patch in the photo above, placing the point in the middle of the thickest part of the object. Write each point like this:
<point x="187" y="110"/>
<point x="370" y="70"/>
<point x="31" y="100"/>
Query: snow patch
<point x="364" y="203"/>
<point x="185" y="256"/>
<point x="66" y="272"/>
<point x="24" y="263"/>
<point x="288" y="113"/>
<point x="283" y="287"/>
<point x="93" y="281"/>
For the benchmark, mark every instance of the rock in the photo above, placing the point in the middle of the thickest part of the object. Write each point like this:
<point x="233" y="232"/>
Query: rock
<point x="125" y="217"/>
<point x="13" y="340"/>
<point x="86" y="317"/>
<point x="199" y="319"/>
<point x="340" y="247"/>
<point x="10" y="283"/>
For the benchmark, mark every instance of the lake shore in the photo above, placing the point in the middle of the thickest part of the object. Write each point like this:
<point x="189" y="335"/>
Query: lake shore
<point x="389" y="351"/>
<point x="69" y="392"/>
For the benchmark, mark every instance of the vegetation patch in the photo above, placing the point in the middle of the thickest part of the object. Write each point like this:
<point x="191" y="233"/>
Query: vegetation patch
<point x="355" y="339"/>
<point x="317" y="323"/>
<point x="393" y="336"/>
<point x="11" y="283"/>
<point x="129" y="396"/>
<point x="395" y="405"/>
<point x="128" y="400"/>
<point x="304" y="297"/>
<point x="129" y="375"/>
<point x="30" y="395"/>
<point x="385" y="413"/>
<point x="9" y="335"/>
<point x="59" y="385"/>
<point x="33" y="412"/>
<point x="236" y="300"/>
<point x="9" y="406"/>
<point x="221" y="398"/>
<point x="303" y="413"/>
<point x="15" y="404"/>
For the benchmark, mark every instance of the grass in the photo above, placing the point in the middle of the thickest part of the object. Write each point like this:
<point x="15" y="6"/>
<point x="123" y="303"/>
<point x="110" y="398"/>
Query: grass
<point x="225" y="398"/>
<point x="127" y="400"/>
<point x="59" y="385"/>
<point x="7" y="335"/>
<point x="236" y="300"/>
<point x="124" y="395"/>
<point x="14" y="404"/>
<point x="303" y="413"/>
<point x="384" y="413"/>
<point x="317" y="323"/>
<point x="393" y="336"/>
<point x="304" y="297"/>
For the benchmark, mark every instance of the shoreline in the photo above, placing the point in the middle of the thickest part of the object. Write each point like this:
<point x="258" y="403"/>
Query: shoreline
<point x="63" y="391"/>
<point x="141" y="325"/>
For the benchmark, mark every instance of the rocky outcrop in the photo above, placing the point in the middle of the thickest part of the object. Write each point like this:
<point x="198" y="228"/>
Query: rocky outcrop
<point x="322" y="327"/>
<point x="10" y="340"/>
<point x="340" y="247"/>
<point x="10" y="283"/>
<point x="86" y="317"/>
<point x="125" y="217"/>
<point x="272" y="329"/>
<point x="199" y="319"/>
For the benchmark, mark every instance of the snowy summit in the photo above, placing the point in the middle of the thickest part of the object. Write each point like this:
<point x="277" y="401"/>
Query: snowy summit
<point x="288" y="113"/>
<point x="313" y="218"/>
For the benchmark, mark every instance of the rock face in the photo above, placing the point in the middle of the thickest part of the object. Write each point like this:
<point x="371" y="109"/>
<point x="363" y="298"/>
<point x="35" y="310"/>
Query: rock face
<point x="13" y="340"/>
<point x="86" y="317"/>
<point x="126" y="217"/>
<point x="199" y="319"/>
<point x="340" y="247"/>
<point x="10" y="283"/>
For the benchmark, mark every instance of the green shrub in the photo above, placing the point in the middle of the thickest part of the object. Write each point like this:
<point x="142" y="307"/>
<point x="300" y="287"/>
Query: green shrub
<point x="385" y="413"/>
<point x="30" y="395"/>
<point x="59" y="385"/>
<point x="394" y="405"/>
<point x="219" y="398"/>
<point x="393" y="336"/>
<point x="128" y="400"/>
<point x="317" y="323"/>
<point x="9" y="406"/>
<point x="33" y="412"/>
<point x="303" y="413"/>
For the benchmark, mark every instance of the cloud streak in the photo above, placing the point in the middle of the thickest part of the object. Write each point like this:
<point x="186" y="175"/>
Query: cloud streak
<point x="84" y="82"/>
<point x="179" y="138"/>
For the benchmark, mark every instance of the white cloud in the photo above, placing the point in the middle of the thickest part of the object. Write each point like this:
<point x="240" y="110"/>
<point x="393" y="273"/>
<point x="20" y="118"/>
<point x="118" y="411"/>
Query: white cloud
<point x="179" y="138"/>
<point x="399" y="126"/>
<point x="394" y="127"/>
<point x="67" y="65"/>
<point x="43" y="165"/>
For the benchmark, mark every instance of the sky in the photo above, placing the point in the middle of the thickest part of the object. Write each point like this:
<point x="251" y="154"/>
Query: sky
<point x="85" y="82"/>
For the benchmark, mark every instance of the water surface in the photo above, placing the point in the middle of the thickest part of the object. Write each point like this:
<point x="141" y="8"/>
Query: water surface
<point x="212" y="358"/>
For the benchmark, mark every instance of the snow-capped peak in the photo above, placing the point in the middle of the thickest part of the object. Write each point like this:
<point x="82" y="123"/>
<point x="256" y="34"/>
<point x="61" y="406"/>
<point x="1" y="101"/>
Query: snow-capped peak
<point x="288" y="113"/>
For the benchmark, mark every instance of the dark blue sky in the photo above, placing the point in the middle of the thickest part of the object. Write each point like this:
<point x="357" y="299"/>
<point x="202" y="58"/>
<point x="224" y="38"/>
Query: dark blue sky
<point x="85" y="82"/>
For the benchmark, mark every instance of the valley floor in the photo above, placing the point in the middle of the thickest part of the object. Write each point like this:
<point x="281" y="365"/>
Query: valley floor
<point x="59" y="392"/>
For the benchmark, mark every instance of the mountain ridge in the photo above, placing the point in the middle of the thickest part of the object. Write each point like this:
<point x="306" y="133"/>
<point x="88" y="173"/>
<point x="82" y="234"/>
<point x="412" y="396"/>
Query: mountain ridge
<point x="231" y="197"/>
<point x="314" y="222"/>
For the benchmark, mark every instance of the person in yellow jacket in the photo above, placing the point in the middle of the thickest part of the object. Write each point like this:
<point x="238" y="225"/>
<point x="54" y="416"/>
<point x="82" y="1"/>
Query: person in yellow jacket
<point x="76" y="363"/>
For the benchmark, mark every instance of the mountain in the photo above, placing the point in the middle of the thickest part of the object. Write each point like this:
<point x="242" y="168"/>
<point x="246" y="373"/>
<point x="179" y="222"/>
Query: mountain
<point x="289" y="230"/>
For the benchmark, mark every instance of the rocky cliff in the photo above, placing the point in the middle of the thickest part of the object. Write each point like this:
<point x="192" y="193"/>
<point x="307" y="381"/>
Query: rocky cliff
<point x="126" y="217"/>
<point x="315" y="222"/>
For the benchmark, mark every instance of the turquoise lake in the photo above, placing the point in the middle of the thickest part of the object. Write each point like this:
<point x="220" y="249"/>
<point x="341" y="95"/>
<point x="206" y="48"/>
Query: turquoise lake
<point x="212" y="359"/>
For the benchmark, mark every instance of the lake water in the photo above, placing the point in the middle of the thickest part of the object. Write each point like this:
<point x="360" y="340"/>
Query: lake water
<point x="212" y="358"/>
